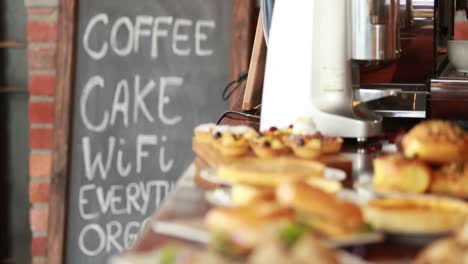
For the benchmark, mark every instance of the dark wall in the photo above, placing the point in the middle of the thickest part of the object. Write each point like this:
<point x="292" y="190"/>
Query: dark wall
<point x="14" y="204"/>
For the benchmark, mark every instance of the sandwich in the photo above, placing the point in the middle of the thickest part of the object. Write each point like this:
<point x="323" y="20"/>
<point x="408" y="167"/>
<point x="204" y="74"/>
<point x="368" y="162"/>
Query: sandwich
<point x="236" y="231"/>
<point x="321" y="212"/>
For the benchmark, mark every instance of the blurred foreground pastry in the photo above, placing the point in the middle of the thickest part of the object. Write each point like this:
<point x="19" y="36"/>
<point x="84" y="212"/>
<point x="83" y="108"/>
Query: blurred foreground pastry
<point x="417" y="215"/>
<point x="452" y="250"/>
<point x="395" y="173"/>
<point x="436" y="141"/>
<point x="306" y="250"/>
<point x="323" y="212"/>
<point x="451" y="179"/>
<point x="238" y="230"/>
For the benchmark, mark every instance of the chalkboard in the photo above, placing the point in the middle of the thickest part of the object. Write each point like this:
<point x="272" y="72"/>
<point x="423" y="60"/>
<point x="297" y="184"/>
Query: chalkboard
<point x="146" y="72"/>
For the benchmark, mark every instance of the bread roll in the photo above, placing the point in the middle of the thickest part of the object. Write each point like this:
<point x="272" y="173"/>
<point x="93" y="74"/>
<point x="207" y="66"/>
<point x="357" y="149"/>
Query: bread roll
<point x="395" y="173"/>
<point x="436" y="141"/>
<point x="451" y="179"/>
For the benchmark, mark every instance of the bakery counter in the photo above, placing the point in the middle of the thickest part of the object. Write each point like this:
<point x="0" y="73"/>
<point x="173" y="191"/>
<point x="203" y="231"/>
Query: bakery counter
<point x="187" y="205"/>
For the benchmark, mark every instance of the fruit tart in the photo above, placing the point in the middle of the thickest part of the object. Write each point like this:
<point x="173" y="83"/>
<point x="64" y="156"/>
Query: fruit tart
<point x="268" y="145"/>
<point x="230" y="144"/>
<point x="306" y="147"/>
<point x="244" y="131"/>
<point x="203" y="133"/>
<point x="329" y="145"/>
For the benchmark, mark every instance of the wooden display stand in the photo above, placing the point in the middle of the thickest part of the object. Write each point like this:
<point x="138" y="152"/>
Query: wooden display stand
<point x="253" y="89"/>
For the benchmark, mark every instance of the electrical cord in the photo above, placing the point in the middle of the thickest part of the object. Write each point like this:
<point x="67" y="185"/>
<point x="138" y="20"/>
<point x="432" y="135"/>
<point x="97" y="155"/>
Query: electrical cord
<point x="236" y="113"/>
<point x="230" y="88"/>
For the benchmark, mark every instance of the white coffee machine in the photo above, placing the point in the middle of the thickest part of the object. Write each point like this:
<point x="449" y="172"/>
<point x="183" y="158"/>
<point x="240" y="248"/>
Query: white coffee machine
<point x="312" y="47"/>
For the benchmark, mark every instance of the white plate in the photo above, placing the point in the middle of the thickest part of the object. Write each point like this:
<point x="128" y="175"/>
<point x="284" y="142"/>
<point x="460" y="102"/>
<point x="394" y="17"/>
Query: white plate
<point x="220" y="197"/>
<point x="211" y="175"/>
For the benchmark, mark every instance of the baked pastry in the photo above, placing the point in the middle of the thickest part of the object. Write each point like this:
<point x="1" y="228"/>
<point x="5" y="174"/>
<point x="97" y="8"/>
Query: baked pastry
<point x="325" y="213"/>
<point x="306" y="250"/>
<point x="203" y="133"/>
<point x="395" y="173"/>
<point x="242" y="194"/>
<point x="238" y="230"/>
<point x="174" y="253"/>
<point x="417" y="215"/>
<point x="268" y="145"/>
<point x="445" y="251"/>
<point x="436" y="141"/>
<point x="331" y="145"/>
<point x="452" y="250"/>
<point x="451" y="179"/>
<point x="232" y="145"/>
<point x="306" y="147"/>
<point x="244" y="131"/>
<point x="270" y="172"/>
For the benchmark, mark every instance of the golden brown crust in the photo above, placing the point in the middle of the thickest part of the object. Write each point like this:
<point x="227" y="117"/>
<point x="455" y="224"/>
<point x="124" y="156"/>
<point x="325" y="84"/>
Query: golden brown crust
<point x="442" y="251"/>
<point x="345" y="216"/>
<point x="436" y="141"/>
<point x="395" y="173"/>
<point x="305" y="147"/>
<point x="268" y="145"/>
<point x="406" y="215"/>
<point x="331" y="145"/>
<point x="232" y="145"/>
<point x="451" y="179"/>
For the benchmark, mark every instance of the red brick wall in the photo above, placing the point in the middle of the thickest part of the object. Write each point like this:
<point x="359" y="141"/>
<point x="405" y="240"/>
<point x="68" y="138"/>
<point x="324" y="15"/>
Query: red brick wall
<point x="42" y="37"/>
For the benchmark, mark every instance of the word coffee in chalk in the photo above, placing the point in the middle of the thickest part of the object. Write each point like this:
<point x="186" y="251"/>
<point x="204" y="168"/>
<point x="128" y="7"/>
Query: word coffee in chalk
<point x="178" y="31"/>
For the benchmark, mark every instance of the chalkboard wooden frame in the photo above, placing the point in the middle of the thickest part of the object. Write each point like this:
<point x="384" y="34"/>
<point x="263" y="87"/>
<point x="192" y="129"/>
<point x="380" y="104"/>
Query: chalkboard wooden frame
<point x="62" y="125"/>
<point x="242" y="31"/>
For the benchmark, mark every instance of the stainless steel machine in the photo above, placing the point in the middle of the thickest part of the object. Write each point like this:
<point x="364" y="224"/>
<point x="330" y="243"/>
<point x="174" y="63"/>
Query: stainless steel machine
<point x="350" y="63"/>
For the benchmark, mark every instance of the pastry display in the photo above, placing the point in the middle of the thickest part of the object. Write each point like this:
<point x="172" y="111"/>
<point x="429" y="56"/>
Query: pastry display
<point x="395" y="173"/>
<point x="432" y="161"/>
<point x="302" y="139"/>
<point x="291" y="222"/>
<point x="417" y="215"/>
<point x="436" y="141"/>
<point x="270" y="172"/>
